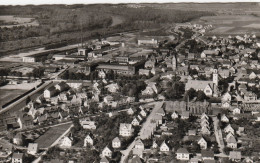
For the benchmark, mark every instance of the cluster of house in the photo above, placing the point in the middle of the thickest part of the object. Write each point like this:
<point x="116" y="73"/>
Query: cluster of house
<point x="32" y="149"/>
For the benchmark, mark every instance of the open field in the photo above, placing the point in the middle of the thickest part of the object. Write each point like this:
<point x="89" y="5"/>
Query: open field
<point x="49" y="137"/>
<point x="231" y="24"/>
<point x="257" y="26"/>
<point x="7" y="95"/>
<point x="22" y="86"/>
<point x="10" y="21"/>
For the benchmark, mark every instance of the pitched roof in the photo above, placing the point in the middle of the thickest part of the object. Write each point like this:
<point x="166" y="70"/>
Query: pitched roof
<point x="207" y="153"/>
<point x="116" y="139"/>
<point x="56" y="161"/>
<point x="231" y="139"/>
<point x="235" y="155"/>
<point x="182" y="150"/>
<point x="197" y="84"/>
<point x="33" y="147"/>
<point x="18" y="155"/>
<point x="104" y="159"/>
<point x="136" y="159"/>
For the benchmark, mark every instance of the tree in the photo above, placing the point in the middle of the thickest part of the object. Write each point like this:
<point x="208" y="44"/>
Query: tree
<point x="38" y="72"/>
<point x="201" y="96"/>
<point x="76" y="124"/>
<point x="191" y="93"/>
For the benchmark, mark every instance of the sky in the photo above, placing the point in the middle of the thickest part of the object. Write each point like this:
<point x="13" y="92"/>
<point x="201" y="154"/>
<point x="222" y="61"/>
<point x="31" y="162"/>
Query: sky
<point x="39" y="2"/>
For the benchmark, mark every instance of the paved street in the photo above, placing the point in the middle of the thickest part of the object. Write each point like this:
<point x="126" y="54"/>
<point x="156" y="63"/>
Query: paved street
<point x="218" y="134"/>
<point x="145" y="132"/>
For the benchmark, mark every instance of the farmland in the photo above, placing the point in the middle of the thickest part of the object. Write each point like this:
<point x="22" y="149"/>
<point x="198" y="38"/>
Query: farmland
<point x="7" y="95"/>
<point x="10" y="21"/>
<point x="49" y="137"/>
<point x="232" y="24"/>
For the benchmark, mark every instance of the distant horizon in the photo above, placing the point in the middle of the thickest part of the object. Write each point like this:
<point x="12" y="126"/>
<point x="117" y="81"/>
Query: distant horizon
<point x="87" y="2"/>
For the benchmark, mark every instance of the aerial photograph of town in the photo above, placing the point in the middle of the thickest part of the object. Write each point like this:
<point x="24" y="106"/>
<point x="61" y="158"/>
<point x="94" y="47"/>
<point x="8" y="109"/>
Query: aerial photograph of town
<point x="130" y="82"/>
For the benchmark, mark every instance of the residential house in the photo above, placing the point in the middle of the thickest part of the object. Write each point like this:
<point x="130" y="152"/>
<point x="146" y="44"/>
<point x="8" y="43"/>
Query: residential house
<point x="228" y="129"/>
<point x="104" y="160"/>
<point x="226" y="104"/>
<point x="242" y="87"/>
<point x="149" y="64"/>
<point x="89" y="139"/>
<point x="164" y="147"/>
<point x="137" y="152"/>
<point x="250" y="96"/>
<point x="87" y="124"/>
<point x="131" y="111"/>
<point x="183" y="154"/>
<point x="67" y="141"/>
<point x="144" y="72"/>
<point x="150" y="89"/>
<point x="226" y="97"/>
<point x="116" y="143"/>
<point x="135" y="122"/>
<point x="236" y="111"/>
<point x="205" y="130"/>
<point x="174" y="115"/>
<point x="235" y="156"/>
<point x="161" y="112"/>
<point x="106" y="152"/>
<point x="194" y="160"/>
<point x="231" y="142"/>
<point x="18" y="139"/>
<point x="209" y="53"/>
<point x="204" y="116"/>
<point x="229" y="135"/>
<point x="101" y="74"/>
<point x="17" y="158"/>
<point x="185" y="115"/>
<point x="203" y="143"/>
<point x="125" y="129"/>
<point x="136" y="159"/>
<point x="224" y="118"/>
<point x="32" y="148"/>
<point x="155" y="145"/>
<point x="108" y="99"/>
<point x="143" y="113"/>
<point x="62" y="86"/>
<point x="76" y="84"/>
<point x="192" y="132"/>
<point x="139" y="144"/>
<point x="112" y="87"/>
<point x="50" y="92"/>
<point x="207" y="155"/>
<point x="25" y="121"/>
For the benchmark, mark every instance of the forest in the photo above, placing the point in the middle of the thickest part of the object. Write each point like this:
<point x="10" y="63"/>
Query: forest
<point x="68" y="23"/>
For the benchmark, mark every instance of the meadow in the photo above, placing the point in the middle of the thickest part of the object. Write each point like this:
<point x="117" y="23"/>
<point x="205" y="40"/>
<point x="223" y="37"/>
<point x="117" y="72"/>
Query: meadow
<point x="232" y="24"/>
<point x="7" y="95"/>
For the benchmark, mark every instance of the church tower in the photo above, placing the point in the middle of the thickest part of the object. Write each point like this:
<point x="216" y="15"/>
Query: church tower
<point x="215" y="77"/>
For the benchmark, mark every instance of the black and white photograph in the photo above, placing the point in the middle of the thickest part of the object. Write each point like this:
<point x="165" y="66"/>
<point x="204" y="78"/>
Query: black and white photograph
<point x="142" y="81"/>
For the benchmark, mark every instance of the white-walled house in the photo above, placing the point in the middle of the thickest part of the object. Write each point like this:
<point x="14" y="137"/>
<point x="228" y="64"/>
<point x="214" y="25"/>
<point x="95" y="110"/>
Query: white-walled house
<point x="107" y="152"/>
<point x="224" y="118"/>
<point x="32" y="148"/>
<point x="125" y="129"/>
<point x="183" y="154"/>
<point x="203" y="143"/>
<point x="67" y="141"/>
<point x="164" y="147"/>
<point x="229" y="129"/>
<point x="48" y="93"/>
<point x="89" y="139"/>
<point x="116" y="143"/>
